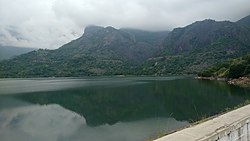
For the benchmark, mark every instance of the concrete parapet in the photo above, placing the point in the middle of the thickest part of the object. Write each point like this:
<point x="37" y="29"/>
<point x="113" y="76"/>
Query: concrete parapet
<point x="232" y="126"/>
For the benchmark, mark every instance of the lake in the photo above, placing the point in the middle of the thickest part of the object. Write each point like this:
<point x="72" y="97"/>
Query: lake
<point x="108" y="108"/>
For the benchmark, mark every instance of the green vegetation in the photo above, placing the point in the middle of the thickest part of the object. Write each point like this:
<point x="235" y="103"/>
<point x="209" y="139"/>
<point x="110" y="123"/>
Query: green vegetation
<point x="199" y="46"/>
<point x="196" y="60"/>
<point x="233" y="68"/>
<point x="100" y="51"/>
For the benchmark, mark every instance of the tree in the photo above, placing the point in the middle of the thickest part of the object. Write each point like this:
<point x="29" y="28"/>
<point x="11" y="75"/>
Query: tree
<point x="236" y="70"/>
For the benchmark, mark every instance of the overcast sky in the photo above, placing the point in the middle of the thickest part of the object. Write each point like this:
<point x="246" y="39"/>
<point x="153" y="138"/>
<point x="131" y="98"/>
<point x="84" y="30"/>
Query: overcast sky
<point x="52" y="23"/>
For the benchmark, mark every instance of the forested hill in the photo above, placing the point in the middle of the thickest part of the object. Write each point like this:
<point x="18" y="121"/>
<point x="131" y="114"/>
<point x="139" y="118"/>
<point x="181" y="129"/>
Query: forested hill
<point x="200" y="45"/>
<point x="232" y="68"/>
<point x="110" y="51"/>
<point x="100" y="51"/>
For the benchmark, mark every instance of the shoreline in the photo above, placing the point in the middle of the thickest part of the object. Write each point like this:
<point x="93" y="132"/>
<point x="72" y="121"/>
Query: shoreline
<point x="212" y="78"/>
<point x="241" y="81"/>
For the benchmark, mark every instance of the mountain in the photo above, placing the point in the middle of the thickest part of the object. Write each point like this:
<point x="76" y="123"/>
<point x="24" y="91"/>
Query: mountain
<point x="8" y="52"/>
<point x="245" y="21"/>
<point x="110" y="43"/>
<point x="203" y="34"/>
<point x="197" y="46"/>
<point x="99" y="51"/>
<point x="110" y="51"/>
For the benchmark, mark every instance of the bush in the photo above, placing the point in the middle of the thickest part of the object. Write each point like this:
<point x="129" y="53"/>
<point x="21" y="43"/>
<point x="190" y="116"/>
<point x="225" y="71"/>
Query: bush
<point x="222" y="72"/>
<point x="205" y="74"/>
<point x="236" y="70"/>
<point x="247" y="70"/>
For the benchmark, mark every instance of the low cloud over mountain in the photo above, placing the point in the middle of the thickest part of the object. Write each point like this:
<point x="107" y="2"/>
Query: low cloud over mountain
<point x="52" y="23"/>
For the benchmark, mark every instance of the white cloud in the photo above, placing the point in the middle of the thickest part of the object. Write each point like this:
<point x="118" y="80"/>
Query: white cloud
<point x="54" y="123"/>
<point x="52" y="23"/>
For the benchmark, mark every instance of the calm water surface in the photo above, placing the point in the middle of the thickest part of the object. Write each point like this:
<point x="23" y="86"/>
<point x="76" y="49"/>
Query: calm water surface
<point x="108" y="109"/>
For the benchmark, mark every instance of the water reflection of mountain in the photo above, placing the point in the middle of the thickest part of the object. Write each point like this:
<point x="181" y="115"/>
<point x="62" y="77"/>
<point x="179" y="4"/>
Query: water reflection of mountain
<point x="181" y="99"/>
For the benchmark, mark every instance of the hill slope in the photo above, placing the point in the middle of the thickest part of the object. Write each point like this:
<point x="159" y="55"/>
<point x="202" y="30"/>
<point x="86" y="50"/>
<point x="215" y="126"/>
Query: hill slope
<point x="245" y="21"/>
<point x="236" y="71"/>
<point x="7" y="52"/>
<point x="232" y="68"/>
<point x="199" y="45"/>
<point x="111" y="43"/>
<point x="100" y="51"/>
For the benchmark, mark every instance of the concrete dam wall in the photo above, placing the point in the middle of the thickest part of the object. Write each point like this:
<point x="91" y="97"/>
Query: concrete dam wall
<point x="232" y="126"/>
